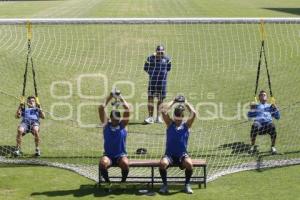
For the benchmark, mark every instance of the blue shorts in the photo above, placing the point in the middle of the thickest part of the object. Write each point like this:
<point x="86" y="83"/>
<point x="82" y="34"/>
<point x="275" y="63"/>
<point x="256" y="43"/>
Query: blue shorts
<point x="159" y="91"/>
<point x="175" y="160"/>
<point x="28" y="127"/>
<point x="115" y="160"/>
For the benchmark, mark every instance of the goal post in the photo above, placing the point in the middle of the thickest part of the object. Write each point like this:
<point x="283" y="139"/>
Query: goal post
<point x="214" y="65"/>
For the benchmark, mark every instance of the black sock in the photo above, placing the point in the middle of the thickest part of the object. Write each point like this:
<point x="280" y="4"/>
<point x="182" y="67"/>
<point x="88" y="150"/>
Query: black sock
<point x="104" y="174"/>
<point x="188" y="175"/>
<point x="163" y="174"/>
<point x="124" y="175"/>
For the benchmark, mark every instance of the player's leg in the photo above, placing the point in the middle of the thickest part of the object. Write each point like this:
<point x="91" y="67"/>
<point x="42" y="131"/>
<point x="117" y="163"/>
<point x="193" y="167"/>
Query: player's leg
<point x="253" y="133"/>
<point x="150" y="105"/>
<point x="149" y="119"/>
<point x="35" y="129"/>
<point x="161" y="97"/>
<point x="163" y="166"/>
<point x="123" y="163"/>
<point x="188" y="166"/>
<point x="22" y="129"/>
<point x="105" y="163"/>
<point x="273" y="135"/>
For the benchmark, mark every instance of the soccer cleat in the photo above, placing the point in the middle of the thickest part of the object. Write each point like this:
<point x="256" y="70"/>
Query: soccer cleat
<point x="164" y="189"/>
<point x="17" y="153"/>
<point x="188" y="189"/>
<point x="252" y="150"/>
<point x="273" y="150"/>
<point x="107" y="187"/>
<point x="37" y="152"/>
<point x="159" y="120"/>
<point x="149" y="120"/>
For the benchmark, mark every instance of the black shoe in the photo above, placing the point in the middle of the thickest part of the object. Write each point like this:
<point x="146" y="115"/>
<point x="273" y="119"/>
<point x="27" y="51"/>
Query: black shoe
<point x="37" y="152"/>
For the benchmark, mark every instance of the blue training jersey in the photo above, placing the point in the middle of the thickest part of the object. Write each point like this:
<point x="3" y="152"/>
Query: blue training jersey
<point x="30" y="115"/>
<point x="177" y="140"/>
<point x="157" y="69"/>
<point x="114" y="140"/>
<point x="264" y="113"/>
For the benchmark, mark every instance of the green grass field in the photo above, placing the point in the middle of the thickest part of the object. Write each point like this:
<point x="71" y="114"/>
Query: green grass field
<point x="29" y="183"/>
<point x="151" y="8"/>
<point x="212" y="63"/>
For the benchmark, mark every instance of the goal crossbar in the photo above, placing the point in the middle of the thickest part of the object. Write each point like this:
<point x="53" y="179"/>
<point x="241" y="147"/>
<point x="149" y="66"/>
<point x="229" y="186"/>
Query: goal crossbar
<point x="15" y="21"/>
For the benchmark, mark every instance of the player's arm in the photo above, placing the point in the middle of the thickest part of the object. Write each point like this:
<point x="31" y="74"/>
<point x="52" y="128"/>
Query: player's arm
<point x="41" y="112"/>
<point x="252" y="112"/>
<point x="275" y="112"/>
<point x="164" y="109"/>
<point x="126" y="114"/>
<point x="169" y="65"/>
<point x="101" y="109"/>
<point x="147" y="65"/>
<point x="19" y="112"/>
<point x="192" y="116"/>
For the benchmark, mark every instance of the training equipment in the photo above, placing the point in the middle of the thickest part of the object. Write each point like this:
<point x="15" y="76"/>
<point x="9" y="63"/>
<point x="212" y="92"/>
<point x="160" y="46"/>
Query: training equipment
<point x="263" y="53"/>
<point x="180" y="99"/>
<point x="116" y="94"/>
<point x="214" y="62"/>
<point x="29" y="59"/>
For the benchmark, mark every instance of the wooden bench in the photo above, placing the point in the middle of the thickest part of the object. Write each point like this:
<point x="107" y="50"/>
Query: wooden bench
<point x="151" y="178"/>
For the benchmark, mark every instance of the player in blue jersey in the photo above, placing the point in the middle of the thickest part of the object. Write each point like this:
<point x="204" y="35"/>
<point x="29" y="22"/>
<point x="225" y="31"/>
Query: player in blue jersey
<point x="114" y="134"/>
<point x="177" y="135"/>
<point x="262" y="113"/>
<point x="157" y="67"/>
<point x="30" y="123"/>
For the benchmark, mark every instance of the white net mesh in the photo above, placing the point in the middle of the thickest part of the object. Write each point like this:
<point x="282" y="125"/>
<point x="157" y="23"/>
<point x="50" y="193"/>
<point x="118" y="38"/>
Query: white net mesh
<point x="213" y="64"/>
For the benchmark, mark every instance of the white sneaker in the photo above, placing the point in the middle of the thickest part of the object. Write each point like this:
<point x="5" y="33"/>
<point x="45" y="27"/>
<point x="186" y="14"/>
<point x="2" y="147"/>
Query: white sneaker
<point x="164" y="189"/>
<point x="188" y="189"/>
<point x="159" y="120"/>
<point x="273" y="150"/>
<point x="17" y="153"/>
<point x="149" y="120"/>
<point x="253" y="149"/>
<point x="37" y="152"/>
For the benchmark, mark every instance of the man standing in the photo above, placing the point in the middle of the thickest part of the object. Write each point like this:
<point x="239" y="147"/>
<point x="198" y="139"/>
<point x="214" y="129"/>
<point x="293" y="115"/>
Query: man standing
<point x="157" y="66"/>
<point x="262" y="114"/>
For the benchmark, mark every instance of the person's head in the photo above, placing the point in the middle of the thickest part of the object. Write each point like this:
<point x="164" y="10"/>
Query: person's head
<point x="263" y="96"/>
<point x="115" y="117"/>
<point x="160" y="51"/>
<point x="179" y="114"/>
<point x="31" y="101"/>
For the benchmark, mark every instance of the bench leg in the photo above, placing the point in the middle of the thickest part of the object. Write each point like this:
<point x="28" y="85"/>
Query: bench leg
<point x="152" y="176"/>
<point x="204" y="171"/>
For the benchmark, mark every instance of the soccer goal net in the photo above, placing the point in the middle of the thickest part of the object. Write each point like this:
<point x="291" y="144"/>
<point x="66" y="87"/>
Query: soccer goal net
<point x="214" y="65"/>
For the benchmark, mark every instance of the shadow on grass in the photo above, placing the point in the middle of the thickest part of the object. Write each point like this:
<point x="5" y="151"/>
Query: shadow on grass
<point x="137" y="123"/>
<point x="266" y="154"/>
<point x="97" y="191"/>
<point x="294" y="11"/>
<point x="7" y="150"/>
<point x="237" y="147"/>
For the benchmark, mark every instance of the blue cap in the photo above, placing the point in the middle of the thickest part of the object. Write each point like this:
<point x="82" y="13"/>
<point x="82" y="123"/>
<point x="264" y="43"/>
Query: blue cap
<point x="160" y="48"/>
